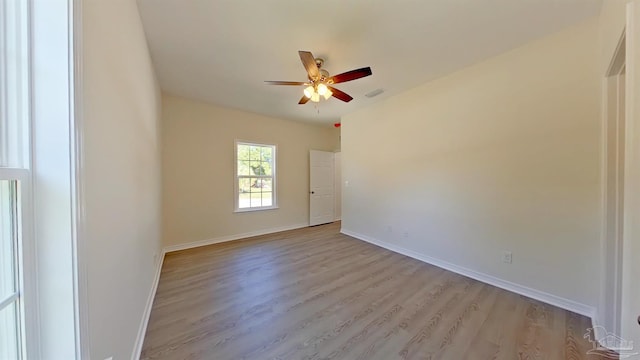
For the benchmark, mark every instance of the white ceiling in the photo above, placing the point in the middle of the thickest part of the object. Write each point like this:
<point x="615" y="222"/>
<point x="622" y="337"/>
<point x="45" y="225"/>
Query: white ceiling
<point x="221" y="51"/>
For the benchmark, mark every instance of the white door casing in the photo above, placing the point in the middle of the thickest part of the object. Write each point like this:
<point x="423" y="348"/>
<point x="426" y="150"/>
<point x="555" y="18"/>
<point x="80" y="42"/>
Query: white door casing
<point x="613" y="183"/>
<point x="631" y="227"/>
<point x="321" y="190"/>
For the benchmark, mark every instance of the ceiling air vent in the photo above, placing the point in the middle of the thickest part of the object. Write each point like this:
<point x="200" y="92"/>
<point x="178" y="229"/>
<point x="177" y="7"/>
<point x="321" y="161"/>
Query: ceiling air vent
<point x="373" y="93"/>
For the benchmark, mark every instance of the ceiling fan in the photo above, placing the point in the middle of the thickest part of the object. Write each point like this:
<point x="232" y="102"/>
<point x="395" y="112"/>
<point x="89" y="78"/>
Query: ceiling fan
<point x="320" y="82"/>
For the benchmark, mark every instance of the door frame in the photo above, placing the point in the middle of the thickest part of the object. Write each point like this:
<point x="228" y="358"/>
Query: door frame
<point x="611" y="83"/>
<point x="631" y="236"/>
<point x="629" y="290"/>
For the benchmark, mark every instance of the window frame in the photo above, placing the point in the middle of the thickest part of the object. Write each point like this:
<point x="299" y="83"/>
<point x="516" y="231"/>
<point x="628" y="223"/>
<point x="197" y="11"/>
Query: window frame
<point x="27" y="301"/>
<point x="237" y="177"/>
<point x="16" y="93"/>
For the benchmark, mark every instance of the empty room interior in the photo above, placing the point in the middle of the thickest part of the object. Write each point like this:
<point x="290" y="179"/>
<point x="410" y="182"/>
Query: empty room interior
<point x="293" y="179"/>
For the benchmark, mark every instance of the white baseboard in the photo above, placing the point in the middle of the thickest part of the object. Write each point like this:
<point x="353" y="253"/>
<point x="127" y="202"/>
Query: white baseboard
<point x="222" y="239"/>
<point x="137" y="350"/>
<point x="600" y="332"/>
<point x="576" y="307"/>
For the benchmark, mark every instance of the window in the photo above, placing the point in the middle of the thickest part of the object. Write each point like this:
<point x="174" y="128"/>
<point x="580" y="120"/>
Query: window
<point x="255" y="176"/>
<point x="15" y="251"/>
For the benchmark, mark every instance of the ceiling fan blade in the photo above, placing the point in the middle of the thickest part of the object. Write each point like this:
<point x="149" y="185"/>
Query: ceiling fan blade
<point x="350" y="75"/>
<point x="303" y="100"/>
<point x="309" y="63"/>
<point x="338" y="94"/>
<point x="286" y="83"/>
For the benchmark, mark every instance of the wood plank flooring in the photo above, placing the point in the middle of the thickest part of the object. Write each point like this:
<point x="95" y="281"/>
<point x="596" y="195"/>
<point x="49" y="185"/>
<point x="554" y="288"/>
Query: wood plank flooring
<point x="317" y="294"/>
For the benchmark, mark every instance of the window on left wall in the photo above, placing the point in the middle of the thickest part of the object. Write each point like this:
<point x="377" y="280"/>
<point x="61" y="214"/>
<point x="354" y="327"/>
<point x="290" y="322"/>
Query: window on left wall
<point x="17" y="307"/>
<point x="255" y="182"/>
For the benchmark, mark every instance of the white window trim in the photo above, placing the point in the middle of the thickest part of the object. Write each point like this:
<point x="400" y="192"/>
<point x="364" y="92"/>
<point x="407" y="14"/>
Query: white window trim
<point x="237" y="208"/>
<point x="55" y="315"/>
<point x="52" y="104"/>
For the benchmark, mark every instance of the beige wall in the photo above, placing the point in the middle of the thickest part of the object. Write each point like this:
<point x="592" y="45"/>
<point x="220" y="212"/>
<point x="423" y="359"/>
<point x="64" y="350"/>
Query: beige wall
<point x="198" y="170"/>
<point x="121" y="175"/>
<point x="503" y="155"/>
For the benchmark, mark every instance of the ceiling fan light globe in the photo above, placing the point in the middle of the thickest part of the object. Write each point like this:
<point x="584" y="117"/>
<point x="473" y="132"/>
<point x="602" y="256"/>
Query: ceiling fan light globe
<point x="315" y="97"/>
<point x="322" y="89"/>
<point x="328" y="94"/>
<point x="308" y="92"/>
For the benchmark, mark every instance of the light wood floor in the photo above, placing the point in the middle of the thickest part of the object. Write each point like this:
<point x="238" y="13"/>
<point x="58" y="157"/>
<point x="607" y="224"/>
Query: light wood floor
<point x="316" y="294"/>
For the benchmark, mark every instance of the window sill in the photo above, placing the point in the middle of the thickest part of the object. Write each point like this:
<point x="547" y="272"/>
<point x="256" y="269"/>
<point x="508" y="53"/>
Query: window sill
<point x="256" y="209"/>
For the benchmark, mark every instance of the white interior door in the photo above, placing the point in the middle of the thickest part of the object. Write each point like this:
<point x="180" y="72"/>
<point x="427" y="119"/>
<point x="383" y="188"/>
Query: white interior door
<point x="321" y="176"/>
<point x="337" y="170"/>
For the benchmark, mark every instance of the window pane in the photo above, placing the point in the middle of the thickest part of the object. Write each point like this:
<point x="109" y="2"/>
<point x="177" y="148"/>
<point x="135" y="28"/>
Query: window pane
<point x="267" y="185"/>
<point x="267" y="168"/>
<point x="256" y="199"/>
<point x="267" y="199"/>
<point x="255" y="153"/>
<point x="243" y="152"/>
<point x="257" y="168"/>
<point x="244" y="200"/>
<point x="254" y="185"/>
<point x="267" y="153"/>
<point x="7" y="239"/>
<point x="9" y="332"/>
<point x="244" y="185"/>
<point x="244" y="167"/>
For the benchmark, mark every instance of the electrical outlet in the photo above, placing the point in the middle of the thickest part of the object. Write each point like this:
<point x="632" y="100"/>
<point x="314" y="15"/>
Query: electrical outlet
<point x="507" y="257"/>
<point x="389" y="228"/>
<point x="405" y="234"/>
